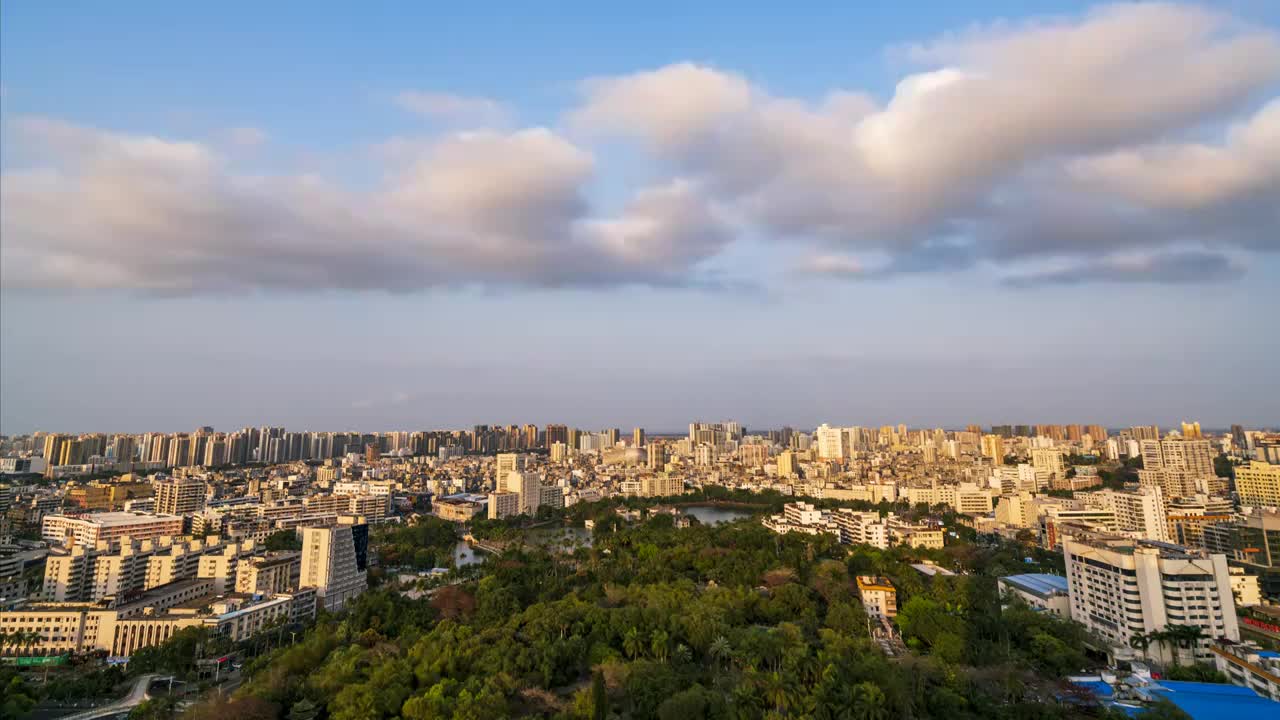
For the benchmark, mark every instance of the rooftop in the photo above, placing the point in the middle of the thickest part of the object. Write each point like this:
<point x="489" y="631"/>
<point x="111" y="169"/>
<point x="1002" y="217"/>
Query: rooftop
<point x="108" y="519"/>
<point x="1039" y="584"/>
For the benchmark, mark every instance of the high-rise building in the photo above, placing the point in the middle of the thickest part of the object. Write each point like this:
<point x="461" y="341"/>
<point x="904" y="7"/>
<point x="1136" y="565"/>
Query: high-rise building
<point x="1049" y="460"/>
<point x="525" y="487"/>
<point x="179" y="451"/>
<point x="1145" y="432"/>
<point x="1140" y="514"/>
<point x="830" y="442"/>
<point x="334" y="562"/>
<point x="1120" y="589"/>
<point x="656" y="456"/>
<point x="557" y="434"/>
<point x="504" y="464"/>
<point x="704" y="455"/>
<point x="1180" y="466"/>
<point x="503" y="504"/>
<point x="637" y="437"/>
<point x="1258" y="483"/>
<point x="1191" y="430"/>
<point x="180" y="496"/>
<point x="993" y="447"/>
<point x="52" y="450"/>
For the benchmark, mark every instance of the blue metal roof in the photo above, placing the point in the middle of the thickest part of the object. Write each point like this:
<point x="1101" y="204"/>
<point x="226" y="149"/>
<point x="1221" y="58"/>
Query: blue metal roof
<point x="1202" y="701"/>
<point x="1041" y="584"/>
<point x="1212" y="701"/>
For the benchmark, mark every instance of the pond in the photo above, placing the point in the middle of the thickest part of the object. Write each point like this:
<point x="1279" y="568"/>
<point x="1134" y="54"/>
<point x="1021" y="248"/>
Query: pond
<point x="713" y="514"/>
<point x="464" y="555"/>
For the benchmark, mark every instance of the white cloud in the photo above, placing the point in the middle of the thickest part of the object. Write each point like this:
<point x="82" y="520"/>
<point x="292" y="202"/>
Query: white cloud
<point x="972" y="156"/>
<point x="832" y="265"/>
<point x="460" y="109"/>
<point x="1083" y="142"/>
<point x="470" y="208"/>
<point x="669" y="106"/>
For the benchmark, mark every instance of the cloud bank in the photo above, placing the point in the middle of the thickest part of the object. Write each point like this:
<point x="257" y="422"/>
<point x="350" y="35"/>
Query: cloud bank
<point x="1135" y="143"/>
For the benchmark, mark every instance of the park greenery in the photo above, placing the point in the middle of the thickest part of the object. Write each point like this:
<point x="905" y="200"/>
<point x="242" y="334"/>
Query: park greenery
<point x="651" y="620"/>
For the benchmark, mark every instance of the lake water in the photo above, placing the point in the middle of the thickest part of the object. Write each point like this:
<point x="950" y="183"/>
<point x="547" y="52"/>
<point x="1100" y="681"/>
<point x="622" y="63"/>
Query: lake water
<point x="713" y="514"/>
<point x="464" y="555"/>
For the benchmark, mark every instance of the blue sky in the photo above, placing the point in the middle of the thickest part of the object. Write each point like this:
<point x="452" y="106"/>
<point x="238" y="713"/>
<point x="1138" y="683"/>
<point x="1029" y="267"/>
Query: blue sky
<point x="330" y="217"/>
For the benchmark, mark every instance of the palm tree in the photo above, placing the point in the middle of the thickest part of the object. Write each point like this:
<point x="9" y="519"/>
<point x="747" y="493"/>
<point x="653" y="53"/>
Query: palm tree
<point x="1140" y="642"/>
<point x="776" y="692"/>
<point x="631" y="643"/>
<point x="1161" y="638"/>
<point x="1184" y="637"/>
<point x="869" y="702"/>
<point x="658" y="644"/>
<point x="721" y="649"/>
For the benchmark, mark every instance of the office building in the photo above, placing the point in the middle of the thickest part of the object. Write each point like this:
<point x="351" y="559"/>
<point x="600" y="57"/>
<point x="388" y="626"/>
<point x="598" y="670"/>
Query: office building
<point x="276" y="572"/>
<point x="503" y="504"/>
<point x="180" y="496"/>
<point x="334" y="562"/>
<point x="1258" y="483"/>
<point x="656" y="456"/>
<point x="1049" y="460"/>
<point x="1121" y="588"/>
<point x="1138" y="514"/>
<point x="108" y="526"/>
<point x="993" y="447"/>
<point x="506" y="463"/>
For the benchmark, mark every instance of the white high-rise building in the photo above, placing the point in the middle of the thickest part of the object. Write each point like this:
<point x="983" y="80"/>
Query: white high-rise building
<point x="506" y="463"/>
<point x="333" y="562"/>
<point x="830" y="442"/>
<point x="1121" y="588"/>
<point x="525" y="485"/>
<point x="1141" y="513"/>
<point x="1049" y="460"/>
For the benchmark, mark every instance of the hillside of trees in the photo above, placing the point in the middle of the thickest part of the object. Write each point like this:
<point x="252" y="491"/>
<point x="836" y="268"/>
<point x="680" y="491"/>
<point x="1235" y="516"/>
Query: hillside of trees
<point x="655" y="621"/>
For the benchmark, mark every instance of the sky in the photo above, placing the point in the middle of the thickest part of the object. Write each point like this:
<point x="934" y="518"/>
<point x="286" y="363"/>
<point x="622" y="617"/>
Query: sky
<point x="332" y="216"/>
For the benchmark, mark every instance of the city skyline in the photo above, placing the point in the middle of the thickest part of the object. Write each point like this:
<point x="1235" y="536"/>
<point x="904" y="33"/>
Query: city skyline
<point x="336" y="220"/>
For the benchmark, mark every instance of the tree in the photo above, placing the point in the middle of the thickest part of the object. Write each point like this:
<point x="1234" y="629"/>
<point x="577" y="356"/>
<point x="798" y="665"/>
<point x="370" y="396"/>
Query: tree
<point x="1140" y="642"/>
<point x="721" y="650"/>
<point x="158" y="708"/>
<point x="1183" y="637"/>
<point x="599" y="698"/>
<point x="631" y="643"/>
<point x="304" y="709"/>
<point x="16" y="699"/>
<point x="283" y="540"/>
<point x="658" y="645"/>
<point x="869" y="702"/>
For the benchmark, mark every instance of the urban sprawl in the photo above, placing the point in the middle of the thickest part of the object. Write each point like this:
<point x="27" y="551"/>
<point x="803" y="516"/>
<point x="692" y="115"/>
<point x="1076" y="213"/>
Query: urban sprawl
<point x="1167" y="539"/>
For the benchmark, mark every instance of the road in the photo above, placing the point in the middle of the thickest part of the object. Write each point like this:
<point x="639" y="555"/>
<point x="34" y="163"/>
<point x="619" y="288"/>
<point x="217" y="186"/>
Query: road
<point x="135" y="697"/>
